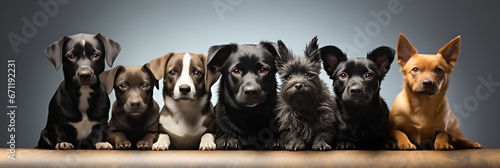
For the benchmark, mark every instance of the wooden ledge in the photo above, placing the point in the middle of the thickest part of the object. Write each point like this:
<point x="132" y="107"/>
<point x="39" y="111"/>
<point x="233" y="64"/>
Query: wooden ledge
<point x="352" y="158"/>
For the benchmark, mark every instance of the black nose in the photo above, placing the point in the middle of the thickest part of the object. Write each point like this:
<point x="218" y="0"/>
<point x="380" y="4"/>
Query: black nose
<point x="85" y="74"/>
<point x="298" y="86"/>
<point x="355" y="90"/>
<point x="135" y="104"/>
<point x="427" y="83"/>
<point x="250" y="90"/>
<point x="184" y="89"/>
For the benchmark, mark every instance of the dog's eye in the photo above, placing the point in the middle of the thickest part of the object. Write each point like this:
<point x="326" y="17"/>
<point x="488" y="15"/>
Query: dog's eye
<point x="369" y="76"/>
<point x="264" y="70"/>
<point x="439" y="71"/>
<point x="71" y="56"/>
<point x="145" y="85"/>
<point x="414" y="70"/>
<point x="197" y="73"/>
<point x="306" y="74"/>
<point x="172" y="72"/>
<point x="288" y="77"/>
<point x="343" y="75"/>
<point x="236" y="71"/>
<point x="122" y="86"/>
<point x="95" y="56"/>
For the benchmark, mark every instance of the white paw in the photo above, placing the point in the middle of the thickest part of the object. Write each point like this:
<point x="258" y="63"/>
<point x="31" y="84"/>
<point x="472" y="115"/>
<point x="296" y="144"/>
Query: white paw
<point x="103" y="146"/>
<point x="64" y="146"/>
<point x="162" y="144"/>
<point x="207" y="142"/>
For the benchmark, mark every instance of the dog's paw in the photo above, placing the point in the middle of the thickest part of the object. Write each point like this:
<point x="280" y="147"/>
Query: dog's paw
<point x="474" y="145"/>
<point x="407" y="146"/>
<point x="207" y="145"/>
<point x="103" y="146"/>
<point x="123" y="145"/>
<point x="321" y="146"/>
<point x="228" y="143"/>
<point x="161" y="146"/>
<point x="144" y="145"/>
<point x="389" y="145"/>
<point x="295" y="145"/>
<point x="345" y="145"/>
<point x="274" y="145"/>
<point x="64" y="146"/>
<point x="442" y="146"/>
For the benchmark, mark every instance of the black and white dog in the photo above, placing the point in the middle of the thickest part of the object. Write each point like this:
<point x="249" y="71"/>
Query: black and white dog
<point x="247" y="95"/>
<point x="307" y="112"/>
<point x="78" y="111"/>
<point x="356" y="82"/>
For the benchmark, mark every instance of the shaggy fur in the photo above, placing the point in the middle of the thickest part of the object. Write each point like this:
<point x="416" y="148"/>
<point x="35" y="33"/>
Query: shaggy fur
<point x="306" y="111"/>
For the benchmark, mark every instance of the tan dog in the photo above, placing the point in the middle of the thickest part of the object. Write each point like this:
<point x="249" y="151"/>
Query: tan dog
<point x="421" y="113"/>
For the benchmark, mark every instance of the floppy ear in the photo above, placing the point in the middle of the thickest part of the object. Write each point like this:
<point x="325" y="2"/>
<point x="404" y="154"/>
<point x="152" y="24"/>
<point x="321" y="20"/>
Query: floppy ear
<point x="111" y="48"/>
<point x="405" y="49"/>
<point x="217" y="55"/>
<point x="54" y="52"/>
<point x="311" y="51"/>
<point x="107" y="78"/>
<point x="382" y="57"/>
<point x="211" y="74"/>
<point x="155" y="81"/>
<point x="284" y="55"/>
<point x="157" y="66"/>
<point x="272" y="48"/>
<point x="450" y="51"/>
<point x="332" y="57"/>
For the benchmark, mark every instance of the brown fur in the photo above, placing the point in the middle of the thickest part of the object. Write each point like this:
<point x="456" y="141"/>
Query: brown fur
<point x="421" y="113"/>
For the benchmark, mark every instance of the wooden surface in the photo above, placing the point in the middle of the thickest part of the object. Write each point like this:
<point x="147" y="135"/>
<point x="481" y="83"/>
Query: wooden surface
<point x="351" y="158"/>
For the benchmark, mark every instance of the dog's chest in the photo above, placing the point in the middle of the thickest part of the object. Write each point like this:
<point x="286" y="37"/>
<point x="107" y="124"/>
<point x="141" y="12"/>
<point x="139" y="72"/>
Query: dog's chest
<point x="83" y="127"/>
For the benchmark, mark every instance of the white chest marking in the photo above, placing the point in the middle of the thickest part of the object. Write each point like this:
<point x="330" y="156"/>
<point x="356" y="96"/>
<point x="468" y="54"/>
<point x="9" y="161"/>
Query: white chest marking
<point x="176" y="123"/>
<point x="185" y="77"/>
<point x="83" y="127"/>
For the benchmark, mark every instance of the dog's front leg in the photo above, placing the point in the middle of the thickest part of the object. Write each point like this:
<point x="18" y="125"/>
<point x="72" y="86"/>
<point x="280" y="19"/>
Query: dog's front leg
<point x="207" y="142"/>
<point x="163" y="142"/>
<point x="119" y="140"/>
<point x="402" y="140"/>
<point x="62" y="142"/>
<point x="345" y="139"/>
<point x="292" y="141"/>
<point x="98" y="136"/>
<point x="442" y="141"/>
<point x="227" y="142"/>
<point x="321" y="141"/>
<point x="147" y="142"/>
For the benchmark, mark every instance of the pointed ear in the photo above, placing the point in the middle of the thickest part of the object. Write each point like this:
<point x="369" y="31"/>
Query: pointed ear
<point x="150" y="73"/>
<point x="284" y="55"/>
<point x="54" y="52"/>
<point x="311" y="51"/>
<point x="332" y="57"/>
<point x="382" y="57"/>
<point x="111" y="48"/>
<point x="211" y="73"/>
<point x="157" y="66"/>
<point x="217" y="55"/>
<point x="450" y="51"/>
<point x="108" y="77"/>
<point x="405" y="49"/>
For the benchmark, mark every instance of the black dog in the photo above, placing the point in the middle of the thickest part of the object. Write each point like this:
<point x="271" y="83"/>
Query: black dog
<point x="356" y="83"/>
<point x="247" y="95"/>
<point x="78" y="111"/>
<point x="307" y="112"/>
<point x="135" y="115"/>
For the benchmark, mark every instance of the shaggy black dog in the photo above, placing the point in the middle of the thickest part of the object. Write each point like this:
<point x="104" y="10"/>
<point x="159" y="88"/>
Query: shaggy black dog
<point x="307" y="113"/>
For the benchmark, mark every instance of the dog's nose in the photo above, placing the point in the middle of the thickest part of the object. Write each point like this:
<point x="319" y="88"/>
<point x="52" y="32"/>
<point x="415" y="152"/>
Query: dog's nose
<point x="298" y="86"/>
<point x="85" y="73"/>
<point x="427" y="83"/>
<point x="250" y="90"/>
<point x="135" y="104"/>
<point x="355" y="90"/>
<point x="184" y="89"/>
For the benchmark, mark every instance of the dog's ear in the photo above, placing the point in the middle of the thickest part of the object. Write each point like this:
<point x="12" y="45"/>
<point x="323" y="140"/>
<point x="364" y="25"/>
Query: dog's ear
<point x="108" y="77"/>
<point x="272" y="48"/>
<point x="450" y="51"/>
<point x="111" y="48"/>
<point x="217" y="55"/>
<point x="150" y="73"/>
<point x="405" y="49"/>
<point x="284" y="55"/>
<point x="312" y="52"/>
<point x="332" y="57"/>
<point x="157" y="65"/>
<point x="211" y="73"/>
<point x="382" y="57"/>
<point x="54" y="52"/>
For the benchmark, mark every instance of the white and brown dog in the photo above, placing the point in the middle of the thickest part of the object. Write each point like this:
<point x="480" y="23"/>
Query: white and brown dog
<point x="187" y="118"/>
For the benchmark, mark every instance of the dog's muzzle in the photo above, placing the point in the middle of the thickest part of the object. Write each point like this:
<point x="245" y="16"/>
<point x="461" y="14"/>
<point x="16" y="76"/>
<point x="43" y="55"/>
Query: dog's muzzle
<point x="85" y="76"/>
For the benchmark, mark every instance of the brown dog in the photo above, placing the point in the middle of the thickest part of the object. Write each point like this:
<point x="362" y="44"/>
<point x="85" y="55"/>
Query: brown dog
<point x="135" y="115"/>
<point x="421" y="113"/>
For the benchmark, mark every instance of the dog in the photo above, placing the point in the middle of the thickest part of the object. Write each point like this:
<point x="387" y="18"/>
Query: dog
<point x="135" y="115"/>
<point x="244" y="112"/>
<point x="187" y="118"/>
<point x="420" y="116"/>
<point x="78" y="111"/>
<point x="356" y="83"/>
<point x="307" y="112"/>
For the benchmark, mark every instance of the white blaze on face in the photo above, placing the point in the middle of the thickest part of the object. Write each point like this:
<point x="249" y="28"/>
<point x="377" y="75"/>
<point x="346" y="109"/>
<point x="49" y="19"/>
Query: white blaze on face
<point x="83" y="45"/>
<point x="185" y="78"/>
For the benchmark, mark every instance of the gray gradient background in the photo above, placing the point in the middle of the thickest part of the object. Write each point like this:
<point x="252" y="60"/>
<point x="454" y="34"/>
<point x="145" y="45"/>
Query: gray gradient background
<point x="149" y="29"/>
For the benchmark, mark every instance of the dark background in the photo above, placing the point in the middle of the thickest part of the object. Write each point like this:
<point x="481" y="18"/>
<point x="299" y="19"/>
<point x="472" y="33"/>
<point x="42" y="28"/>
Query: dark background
<point x="149" y="29"/>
